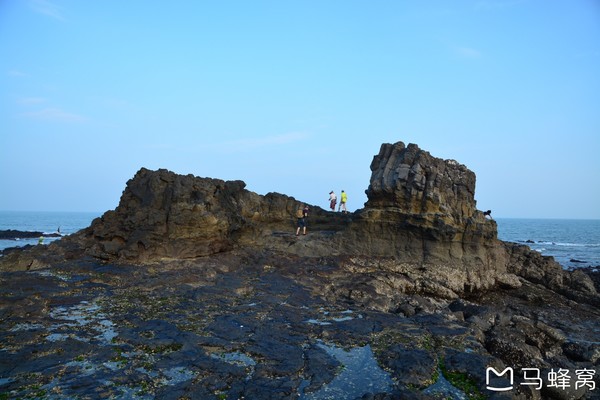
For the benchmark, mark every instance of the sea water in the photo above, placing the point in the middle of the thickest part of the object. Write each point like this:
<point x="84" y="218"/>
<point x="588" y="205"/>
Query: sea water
<point x="45" y="222"/>
<point x="573" y="243"/>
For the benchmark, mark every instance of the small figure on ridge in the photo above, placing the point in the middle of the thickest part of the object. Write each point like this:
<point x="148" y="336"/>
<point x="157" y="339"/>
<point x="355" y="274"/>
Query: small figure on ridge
<point x="332" y="200"/>
<point x="343" y="200"/>
<point x="301" y="215"/>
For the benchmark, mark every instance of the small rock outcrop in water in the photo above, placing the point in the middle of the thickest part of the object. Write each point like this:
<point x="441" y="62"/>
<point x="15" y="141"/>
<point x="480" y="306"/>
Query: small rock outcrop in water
<point x="198" y="288"/>
<point x="12" y="234"/>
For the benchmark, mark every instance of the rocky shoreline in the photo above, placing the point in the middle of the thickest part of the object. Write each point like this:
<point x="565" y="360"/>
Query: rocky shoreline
<point x="196" y="288"/>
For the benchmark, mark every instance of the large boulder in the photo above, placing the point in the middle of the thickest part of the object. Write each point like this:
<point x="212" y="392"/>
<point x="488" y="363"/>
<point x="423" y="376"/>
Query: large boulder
<point x="421" y="211"/>
<point x="165" y="215"/>
<point x="411" y="180"/>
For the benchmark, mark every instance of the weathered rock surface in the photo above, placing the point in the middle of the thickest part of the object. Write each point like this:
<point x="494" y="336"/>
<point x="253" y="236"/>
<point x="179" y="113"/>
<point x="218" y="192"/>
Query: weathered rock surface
<point x="197" y="288"/>
<point x="243" y="324"/>
<point x="420" y="216"/>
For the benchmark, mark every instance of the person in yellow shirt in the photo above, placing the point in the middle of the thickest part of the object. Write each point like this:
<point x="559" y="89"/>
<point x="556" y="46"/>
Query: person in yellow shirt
<point x="343" y="200"/>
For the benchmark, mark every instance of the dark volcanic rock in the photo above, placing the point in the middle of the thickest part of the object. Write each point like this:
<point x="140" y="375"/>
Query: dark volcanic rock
<point x="412" y="367"/>
<point x="12" y="234"/>
<point x="164" y="215"/>
<point x="197" y="288"/>
<point x="419" y="232"/>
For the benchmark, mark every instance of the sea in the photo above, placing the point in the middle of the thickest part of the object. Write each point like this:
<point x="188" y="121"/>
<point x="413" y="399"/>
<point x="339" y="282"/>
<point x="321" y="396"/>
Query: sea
<point x="574" y="243"/>
<point x="47" y="222"/>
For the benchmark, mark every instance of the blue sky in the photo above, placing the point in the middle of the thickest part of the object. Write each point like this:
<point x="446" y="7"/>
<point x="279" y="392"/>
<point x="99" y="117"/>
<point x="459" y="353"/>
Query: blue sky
<point x="296" y="97"/>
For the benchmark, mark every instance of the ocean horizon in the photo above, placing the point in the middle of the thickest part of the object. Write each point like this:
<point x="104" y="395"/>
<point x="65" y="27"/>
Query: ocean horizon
<point x="574" y="243"/>
<point x="65" y="222"/>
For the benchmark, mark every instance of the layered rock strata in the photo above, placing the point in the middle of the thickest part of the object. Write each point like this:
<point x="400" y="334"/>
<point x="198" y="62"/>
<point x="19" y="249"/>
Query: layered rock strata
<point x="420" y="218"/>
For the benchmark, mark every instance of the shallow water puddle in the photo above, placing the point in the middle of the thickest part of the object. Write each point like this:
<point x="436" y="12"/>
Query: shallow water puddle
<point x="174" y="376"/>
<point x="235" y="358"/>
<point x="83" y="314"/>
<point x="238" y="359"/>
<point x="328" y="318"/>
<point x="26" y="327"/>
<point x="4" y="381"/>
<point x="52" y="274"/>
<point x="360" y="374"/>
<point x="444" y="389"/>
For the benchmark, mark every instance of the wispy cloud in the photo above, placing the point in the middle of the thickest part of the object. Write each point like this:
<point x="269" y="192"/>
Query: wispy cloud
<point x="31" y="100"/>
<point x="254" y="143"/>
<point x="467" y="52"/>
<point x="47" y="8"/>
<point x="54" y="115"/>
<point x="16" y="73"/>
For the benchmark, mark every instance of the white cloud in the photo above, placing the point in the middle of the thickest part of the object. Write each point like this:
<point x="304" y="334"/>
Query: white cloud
<point x="31" y="100"/>
<point x="16" y="73"/>
<point x="467" y="52"/>
<point x="254" y="143"/>
<point x="54" y="115"/>
<point x="47" y="8"/>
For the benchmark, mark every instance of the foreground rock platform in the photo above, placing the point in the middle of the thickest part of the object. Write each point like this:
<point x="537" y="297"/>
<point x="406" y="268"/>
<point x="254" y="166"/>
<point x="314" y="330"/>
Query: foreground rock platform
<point x="197" y="288"/>
<point x="271" y="326"/>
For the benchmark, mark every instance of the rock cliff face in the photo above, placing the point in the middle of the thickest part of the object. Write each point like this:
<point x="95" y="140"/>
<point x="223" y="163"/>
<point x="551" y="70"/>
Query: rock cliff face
<point x="420" y="217"/>
<point x="422" y="209"/>
<point x="410" y="180"/>
<point x="165" y="215"/>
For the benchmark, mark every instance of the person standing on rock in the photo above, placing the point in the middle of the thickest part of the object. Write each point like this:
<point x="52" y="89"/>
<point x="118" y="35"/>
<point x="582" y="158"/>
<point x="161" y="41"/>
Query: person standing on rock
<point x="332" y="200"/>
<point x="301" y="215"/>
<point x="343" y="200"/>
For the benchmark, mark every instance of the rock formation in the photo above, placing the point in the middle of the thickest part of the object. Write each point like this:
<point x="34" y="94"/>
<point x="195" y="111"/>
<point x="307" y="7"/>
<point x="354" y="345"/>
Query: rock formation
<point x="421" y="215"/>
<point x="421" y="211"/>
<point x="12" y="234"/>
<point x="198" y="288"/>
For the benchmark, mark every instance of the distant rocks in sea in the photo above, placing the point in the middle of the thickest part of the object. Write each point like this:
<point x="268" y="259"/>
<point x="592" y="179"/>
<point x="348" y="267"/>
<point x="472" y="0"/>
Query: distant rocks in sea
<point x="12" y="234"/>
<point x="574" y="260"/>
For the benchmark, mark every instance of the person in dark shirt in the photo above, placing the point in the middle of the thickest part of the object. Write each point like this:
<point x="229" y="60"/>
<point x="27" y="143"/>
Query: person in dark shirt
<point x="301" y="215"/>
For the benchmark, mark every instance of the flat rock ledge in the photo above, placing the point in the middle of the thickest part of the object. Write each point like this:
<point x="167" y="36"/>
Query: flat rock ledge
<point x="273" y="326"/>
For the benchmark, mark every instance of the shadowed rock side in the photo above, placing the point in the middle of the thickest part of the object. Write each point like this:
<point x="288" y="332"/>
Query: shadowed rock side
<point x="420" y="217"/>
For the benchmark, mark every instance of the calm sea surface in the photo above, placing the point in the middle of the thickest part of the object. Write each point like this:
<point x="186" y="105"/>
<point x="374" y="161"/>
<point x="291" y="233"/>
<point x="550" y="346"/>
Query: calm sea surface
<point x="573" y="243"/>
<point x="47" y="222"/>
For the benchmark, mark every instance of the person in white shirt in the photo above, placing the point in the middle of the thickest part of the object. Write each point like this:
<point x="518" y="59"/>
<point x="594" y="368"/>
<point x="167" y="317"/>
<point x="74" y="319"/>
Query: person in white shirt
<point x="332" y="200"/>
